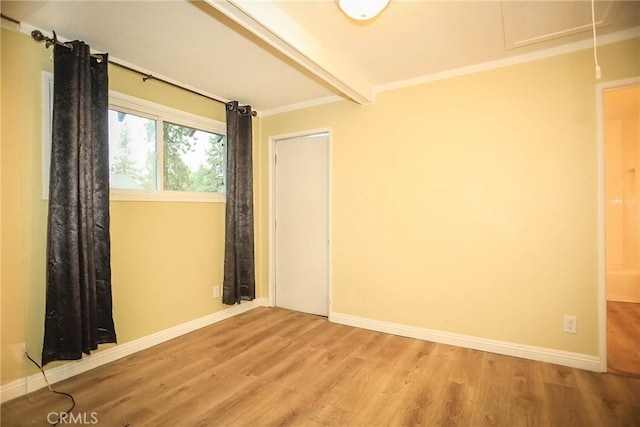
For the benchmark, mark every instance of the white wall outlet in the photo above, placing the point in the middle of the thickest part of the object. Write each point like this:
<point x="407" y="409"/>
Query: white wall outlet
<point x="216" y="291"/>
<point x="570" y="324"/>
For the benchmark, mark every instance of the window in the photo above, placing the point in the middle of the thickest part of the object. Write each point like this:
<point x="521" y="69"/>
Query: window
<point x="193" y="159"/>
<point x="132" y="151"/>
<point x="155" y="152"/>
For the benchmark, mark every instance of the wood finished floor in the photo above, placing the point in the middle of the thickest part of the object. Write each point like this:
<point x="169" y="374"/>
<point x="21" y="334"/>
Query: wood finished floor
<point x="623" y="338"/>
<point x="277" y="367"/>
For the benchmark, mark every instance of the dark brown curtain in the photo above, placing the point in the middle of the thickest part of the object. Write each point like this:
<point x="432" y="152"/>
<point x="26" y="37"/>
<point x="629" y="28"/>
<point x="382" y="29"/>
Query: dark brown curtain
<point x="239" y="266"/>
<point x="78" y="307"/>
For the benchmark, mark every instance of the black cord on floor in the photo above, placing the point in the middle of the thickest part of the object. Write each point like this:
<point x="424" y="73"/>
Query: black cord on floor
<point x="73" y="401"/>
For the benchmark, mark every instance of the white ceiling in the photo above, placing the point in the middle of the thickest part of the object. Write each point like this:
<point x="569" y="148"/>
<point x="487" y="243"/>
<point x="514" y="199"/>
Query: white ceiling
<point x="278" y="54"/>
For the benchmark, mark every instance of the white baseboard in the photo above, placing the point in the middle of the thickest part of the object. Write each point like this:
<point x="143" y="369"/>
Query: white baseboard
<point x="558" y="357"/>
<point x="34" y="382"/>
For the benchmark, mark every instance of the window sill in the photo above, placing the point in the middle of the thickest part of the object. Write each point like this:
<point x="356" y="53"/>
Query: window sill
<point x="121" y="195"/>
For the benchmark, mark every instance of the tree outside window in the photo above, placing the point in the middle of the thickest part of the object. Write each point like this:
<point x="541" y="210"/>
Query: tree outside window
<point x="192" y="159"/>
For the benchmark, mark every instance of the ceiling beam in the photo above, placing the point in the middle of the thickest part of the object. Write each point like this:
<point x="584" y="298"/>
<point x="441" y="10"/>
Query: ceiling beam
<point x="268" y="22"/>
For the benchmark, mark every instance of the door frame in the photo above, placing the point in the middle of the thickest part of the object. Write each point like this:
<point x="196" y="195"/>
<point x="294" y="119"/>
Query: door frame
<point x="602" y="241"/>
<point x="272" y="214"/>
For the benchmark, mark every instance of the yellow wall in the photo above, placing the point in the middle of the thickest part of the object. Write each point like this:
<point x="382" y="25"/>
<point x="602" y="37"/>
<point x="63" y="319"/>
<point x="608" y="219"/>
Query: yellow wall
<point x="166" y="257"/>
<point x="469" y="205"/>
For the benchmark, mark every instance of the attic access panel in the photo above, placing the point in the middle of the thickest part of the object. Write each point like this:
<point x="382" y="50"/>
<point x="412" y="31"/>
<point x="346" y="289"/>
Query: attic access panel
<point x="530" y="22"/>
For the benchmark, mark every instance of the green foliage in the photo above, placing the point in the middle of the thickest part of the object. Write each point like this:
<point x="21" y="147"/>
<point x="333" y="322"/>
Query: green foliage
<point x="124" y="165"/>
<point x="148" y="180"/>
<point x="179" y="145"/>
<point x="209" y="177"/>
<point x="177" y="141"/>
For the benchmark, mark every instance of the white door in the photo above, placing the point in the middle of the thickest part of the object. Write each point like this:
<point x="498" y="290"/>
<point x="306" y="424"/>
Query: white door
<point x="302" y="224"/>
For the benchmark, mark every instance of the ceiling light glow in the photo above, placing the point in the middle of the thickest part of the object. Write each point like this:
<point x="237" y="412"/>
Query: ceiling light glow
<point x="362" y="10"/>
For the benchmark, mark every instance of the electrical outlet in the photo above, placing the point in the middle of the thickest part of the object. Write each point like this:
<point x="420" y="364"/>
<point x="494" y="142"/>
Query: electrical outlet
<point x="570" y="324"/>
<point x="216" y="291"/>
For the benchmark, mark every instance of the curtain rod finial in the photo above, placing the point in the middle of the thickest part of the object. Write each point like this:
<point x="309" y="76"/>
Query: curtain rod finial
<point x="37" y="35"/>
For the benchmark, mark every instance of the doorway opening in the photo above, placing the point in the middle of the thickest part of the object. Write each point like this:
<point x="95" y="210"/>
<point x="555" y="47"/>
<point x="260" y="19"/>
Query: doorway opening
<point x="620" y="126"/>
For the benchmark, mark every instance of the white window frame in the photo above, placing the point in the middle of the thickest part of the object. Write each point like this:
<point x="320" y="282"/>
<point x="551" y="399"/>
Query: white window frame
<point x="47" y="121"/>
<point x="140" y="107"/>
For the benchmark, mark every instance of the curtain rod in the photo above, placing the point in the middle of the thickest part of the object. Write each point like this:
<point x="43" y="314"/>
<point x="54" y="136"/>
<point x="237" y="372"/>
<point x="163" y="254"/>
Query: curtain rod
<point x="10" y="19"/>
<point x="40" y="37"/>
